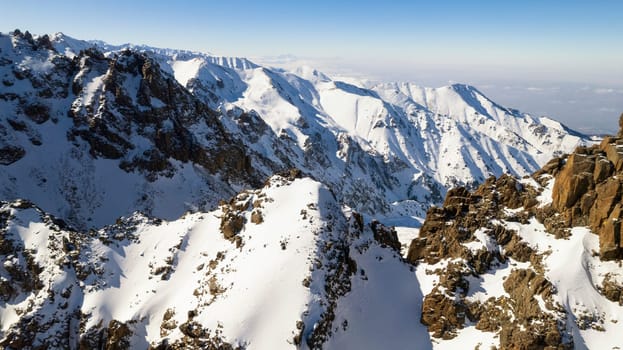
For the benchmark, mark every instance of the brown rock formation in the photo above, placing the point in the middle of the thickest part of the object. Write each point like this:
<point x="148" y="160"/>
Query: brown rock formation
<point x="443" y="236"/>
<point x="574" y="180"/>
<point x="588" y="192"/>
<point x="386" y="236"/>
<point x="462" y="214"/>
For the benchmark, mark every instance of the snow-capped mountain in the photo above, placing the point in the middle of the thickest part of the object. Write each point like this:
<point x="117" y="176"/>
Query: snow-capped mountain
<point x="158" y="198"/>
<point x="389" y="149"/>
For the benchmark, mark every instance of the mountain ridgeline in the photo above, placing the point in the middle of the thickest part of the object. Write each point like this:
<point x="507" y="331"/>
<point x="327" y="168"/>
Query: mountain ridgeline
<point x="91" y="132"/>
<point x="165" y="199"/>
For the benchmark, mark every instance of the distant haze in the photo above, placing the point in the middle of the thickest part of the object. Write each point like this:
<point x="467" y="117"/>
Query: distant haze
<point x="558" y="58"/>
<point x="588" y="106"/>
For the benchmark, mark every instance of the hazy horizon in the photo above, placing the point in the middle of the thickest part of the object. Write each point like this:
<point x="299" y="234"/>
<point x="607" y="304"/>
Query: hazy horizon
<point x="563" y="59"/>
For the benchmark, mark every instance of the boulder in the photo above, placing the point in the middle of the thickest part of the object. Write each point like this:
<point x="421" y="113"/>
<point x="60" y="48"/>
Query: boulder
<point x="610" y="235"/>
<point x="11" y="154"/>
<point x="442" y="315"/>
<point x="231" y="224"/>
<point x="608" y="194"/>
<point x="614" y="153"/>
<point x="603" y="169"/>
<point x="575" y="179"/>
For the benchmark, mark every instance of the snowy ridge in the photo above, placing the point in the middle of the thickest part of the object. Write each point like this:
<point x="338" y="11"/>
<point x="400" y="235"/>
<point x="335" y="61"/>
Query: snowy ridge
<point x="509" y="282"/>
<point x="116" y="163"/>
<point x="271" y="287"/>
<point x="182" y="282"/>
<point x="421" y="128"/>
<point x="47" y="99"/>
<point x="391" y="148"/>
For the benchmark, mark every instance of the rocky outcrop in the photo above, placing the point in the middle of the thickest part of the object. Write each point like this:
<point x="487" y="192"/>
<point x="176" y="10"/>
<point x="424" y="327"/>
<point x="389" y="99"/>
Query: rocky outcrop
<point x="386" y="236"/>
<point x="588" y="191"/>
<point x="446" y="235"/>
<point x="11" y="154"/>
<point x="446" y="228"/>
<point x="138" y="99"/>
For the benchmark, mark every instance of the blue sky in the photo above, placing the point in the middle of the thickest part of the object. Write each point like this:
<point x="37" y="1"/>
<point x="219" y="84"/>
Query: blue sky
<point x="492" y="43"/>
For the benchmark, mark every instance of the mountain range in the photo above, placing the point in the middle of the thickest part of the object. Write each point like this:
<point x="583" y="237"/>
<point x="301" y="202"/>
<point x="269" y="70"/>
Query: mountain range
<point x="160" y="198"/>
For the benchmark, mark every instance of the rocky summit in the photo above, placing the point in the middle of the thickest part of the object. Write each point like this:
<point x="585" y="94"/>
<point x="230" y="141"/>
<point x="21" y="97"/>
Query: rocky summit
<point x="166" y="199"/>
<point x="504" y="256"/>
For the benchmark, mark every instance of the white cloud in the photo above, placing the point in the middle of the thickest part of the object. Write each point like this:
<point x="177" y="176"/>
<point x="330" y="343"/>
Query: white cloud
<point x="607" y="109"/>
<point x="604" y="91"/>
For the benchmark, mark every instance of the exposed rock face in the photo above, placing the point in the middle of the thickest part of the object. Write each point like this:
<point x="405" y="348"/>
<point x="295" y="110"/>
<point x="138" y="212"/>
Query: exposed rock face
<point x="588" y="192"/>
<point x="447" y="227"/>
<point x="11" y="154"/>
<point x="159" y="110"/>
<point x="446" y="234"/>
<point x="65" y="113"/>
<point x="128" y="111"/>
<point x="575" y="179"/>
<point x="386" y="236"/>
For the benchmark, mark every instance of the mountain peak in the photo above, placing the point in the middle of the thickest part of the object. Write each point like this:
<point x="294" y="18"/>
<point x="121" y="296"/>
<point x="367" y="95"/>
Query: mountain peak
<point x="311" y="74"/>
<point x="170" y="196"/>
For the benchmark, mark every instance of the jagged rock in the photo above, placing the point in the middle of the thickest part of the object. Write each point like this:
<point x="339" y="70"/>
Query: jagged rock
<point x="443" y="236"/>
<point x="607" y="194"/>
<point x="547" y="338"/>
<point x="603" y="170"/>
<point x="522" y="285"/>
<point x="551" y="168"/>
<point x="168" y="323"/>
<point x="463" y="213"/>
<point x="291" y="174"/>
<point x="587" y="192"/>
<point x="231" y="224"/>
<point x="575" y="179"/>
<point x="118" y="336"/>
<point x="521" y="322"/>
<point x="610" y="235"/>
<point x="614" y="152"/>
<point x="11" y="154"/>
<point x="385" y="236"/>
<point x="612" y="290"/>
<point x="256" y="217"/>
<point x="508" y="189"/>
<point x="442" y="315"/>
<point x="517" y="249"/>
<point x="193" y="329"/>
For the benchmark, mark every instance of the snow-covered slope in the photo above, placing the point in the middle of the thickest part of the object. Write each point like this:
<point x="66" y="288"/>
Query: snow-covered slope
<point x="269" y="270"/>
<point x="91" y="138"/>
<point x="271" y="282"/>
<point x="91" y="132"/>
<point x="475" y="136"/>
<point x="494" y="273"/>
<point x="431" y="139"/>
<point x="390" y="149"/>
